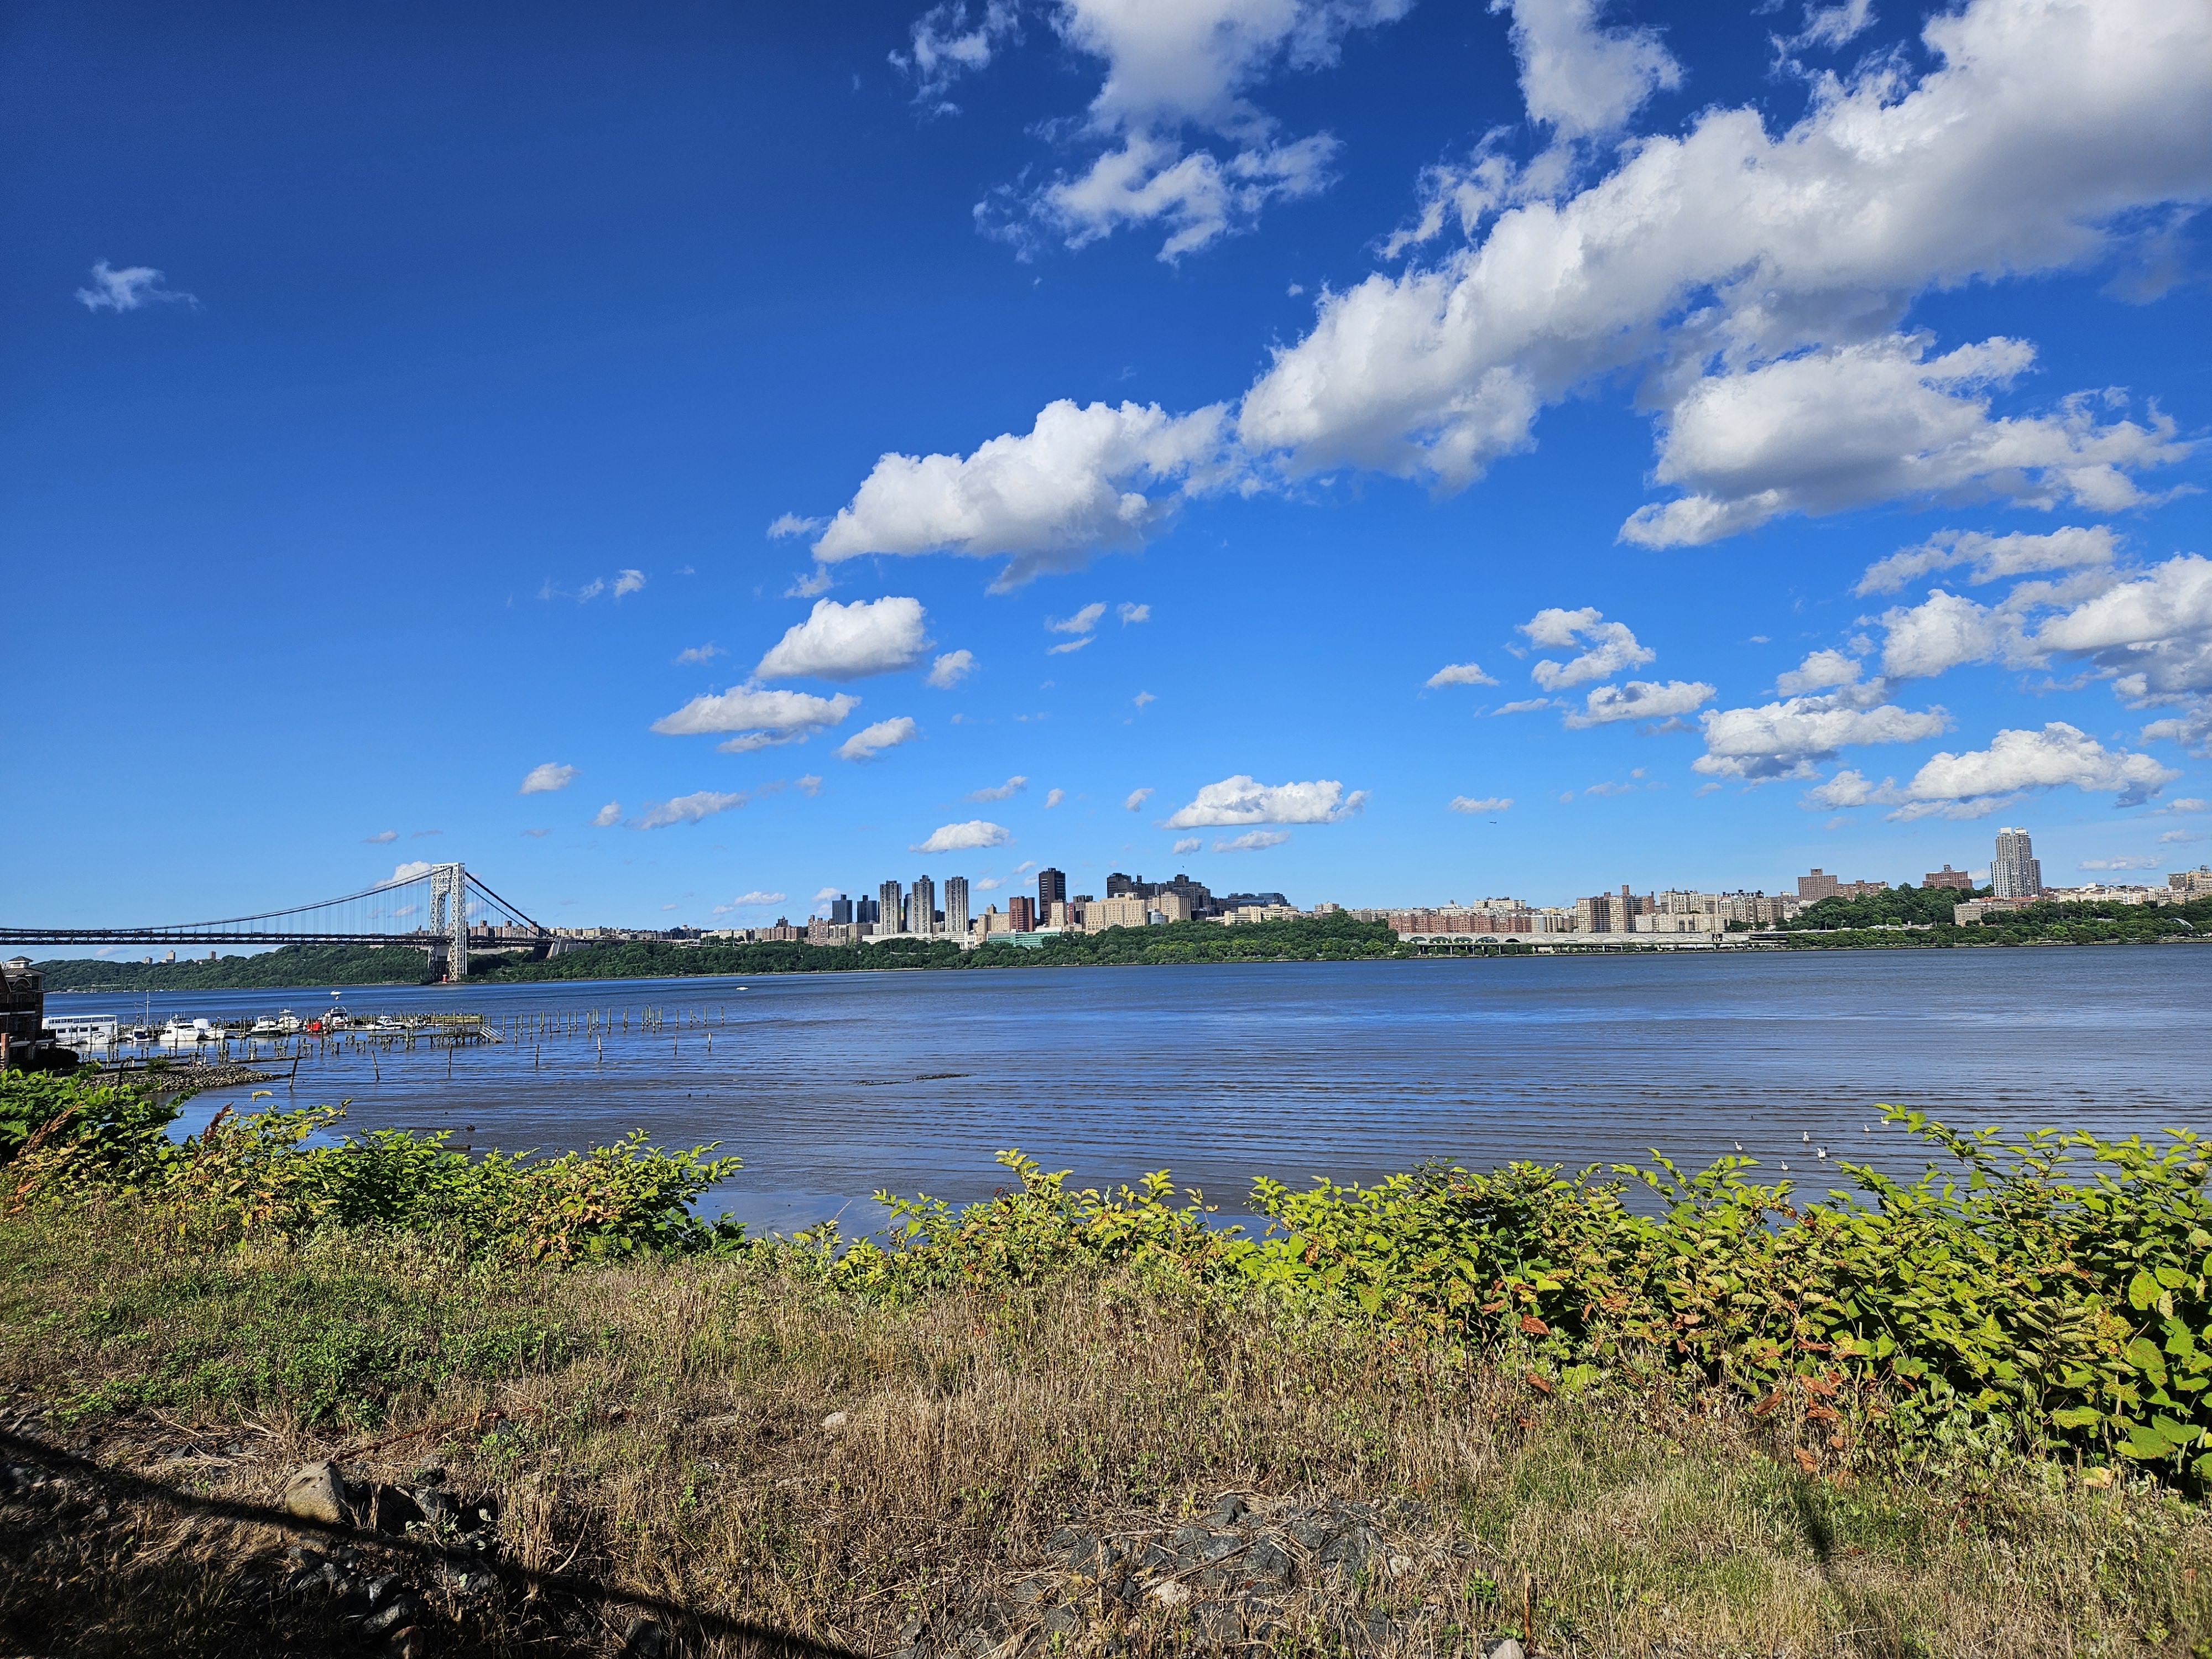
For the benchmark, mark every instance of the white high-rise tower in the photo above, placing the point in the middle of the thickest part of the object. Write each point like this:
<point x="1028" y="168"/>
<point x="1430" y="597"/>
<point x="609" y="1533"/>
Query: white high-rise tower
<point x="2016" y="872"/>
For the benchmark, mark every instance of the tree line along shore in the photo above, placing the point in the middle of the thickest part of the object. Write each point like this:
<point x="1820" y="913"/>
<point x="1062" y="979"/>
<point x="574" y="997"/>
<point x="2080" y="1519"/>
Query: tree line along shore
<point x="1902" y="918"/>
<point x="266" y="1390"/>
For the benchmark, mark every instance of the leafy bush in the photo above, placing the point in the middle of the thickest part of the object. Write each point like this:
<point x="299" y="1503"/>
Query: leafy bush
<point x="270" y="1172"/>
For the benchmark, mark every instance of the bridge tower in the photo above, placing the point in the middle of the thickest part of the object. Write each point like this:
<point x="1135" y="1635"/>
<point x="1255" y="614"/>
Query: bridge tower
<point x="449" y="916"/>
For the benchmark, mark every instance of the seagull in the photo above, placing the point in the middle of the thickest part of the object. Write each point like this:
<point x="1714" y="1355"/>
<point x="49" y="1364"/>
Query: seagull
<point x="1807" y="1139"/>
<point x="1738" y="1146"/>
<point x="1824" y="1151"/>
<point x="1785" y="1169"/>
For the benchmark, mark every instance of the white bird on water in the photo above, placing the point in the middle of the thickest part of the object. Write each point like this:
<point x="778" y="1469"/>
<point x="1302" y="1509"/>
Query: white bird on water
<point x="1823" y="1151"/>
<point x="1785" y="1169"/>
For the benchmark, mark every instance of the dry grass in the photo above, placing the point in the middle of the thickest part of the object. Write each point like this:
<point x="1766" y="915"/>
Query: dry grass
<point x="661" y="1435"/>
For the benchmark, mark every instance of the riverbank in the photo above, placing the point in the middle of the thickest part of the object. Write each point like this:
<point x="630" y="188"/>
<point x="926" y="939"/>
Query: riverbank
<point x="1090" y="1421"/>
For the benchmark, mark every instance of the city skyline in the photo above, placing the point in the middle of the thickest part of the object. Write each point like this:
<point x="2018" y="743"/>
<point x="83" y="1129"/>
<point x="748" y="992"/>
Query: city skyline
<point x="1406" y="450"/>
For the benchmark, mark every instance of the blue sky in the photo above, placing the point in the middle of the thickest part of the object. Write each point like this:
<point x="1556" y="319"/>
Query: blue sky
<point x="680" y="464"/>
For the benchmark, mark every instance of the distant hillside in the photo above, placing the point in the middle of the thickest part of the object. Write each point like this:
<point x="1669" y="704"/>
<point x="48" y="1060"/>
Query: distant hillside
<point x="292" y="965"/>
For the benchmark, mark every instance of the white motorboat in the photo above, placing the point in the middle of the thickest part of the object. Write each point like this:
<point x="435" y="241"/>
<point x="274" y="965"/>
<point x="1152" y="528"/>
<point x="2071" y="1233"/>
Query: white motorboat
<point x="181" y="1030"/>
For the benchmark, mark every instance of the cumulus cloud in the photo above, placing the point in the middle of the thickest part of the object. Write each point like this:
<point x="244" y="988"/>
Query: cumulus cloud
<point x="1523" y="706"/>
<point x="1939" y="634"/>
<point x="1977" y="782"/>
<point x="1253" y="841"/>
<point x="1137" y="799"/>
<point x="1459" y="673"/>
<point x="1833" y="26"/>
<point x="1580" y="79"/>
<point x="1612" y="647"/>
<point x="696" y="653"/>
<point x="1005" y="791"/>
<point x="1081" y="623"/>
<point x="544" y="780"/>
<point x="2145" y="861"/>
<point x="410" y="870"/>
<point x="1133" y="613"/>
<point x="867" y="743"/>
<point x="1992" y="557"/>
<point x="1852" y="425"/>
<point x="381" y="836"/>
<point x="963" y="838"/>
<point x="948" y="670"/>
<point x="748" y="900"/>
<point x="1082" y="480"/>
<point x="608" y="816"/>
<point x="1787" y="738"/>
<point x="1242" y="800"/>
<point x="1639" y="699"/>
<point x="790" y="523"/>
<point x="1052" y="798"/>
<point x="687" y="809"/>
<point x="808" y="785"/>
<point x="1847" y="788"/>
<point x="1189" y="843"/>
<point x="627" y="582"/>
<point x="760" y="718"/>
<point x="1478" y="808"/>
<point x="848" y="642"/>
<point x="1819" y="671"/>
<point x="2152" y="634"/>
<point x="1177" y="80"/>
<point x="128" y="289"/>
<point x="1775" y="251"/>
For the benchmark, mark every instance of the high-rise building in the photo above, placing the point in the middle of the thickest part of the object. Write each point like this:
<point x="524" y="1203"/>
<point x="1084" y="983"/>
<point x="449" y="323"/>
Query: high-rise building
<point x="1023" y="909"/>
<point x="867" y="911"/>
<point x="1119" y="885"/>
<point x="841" y="910"/>
<point x="2015" y="871"/>
<point x="1052" y="889"/>
<point x="955" y="906"/>
<point x="891" y="906"/>
<point x="921" y="900"/>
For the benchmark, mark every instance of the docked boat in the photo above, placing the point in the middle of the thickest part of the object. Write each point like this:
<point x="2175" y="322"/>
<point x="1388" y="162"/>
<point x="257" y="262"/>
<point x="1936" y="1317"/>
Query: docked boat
<point x="181" y="1030"/>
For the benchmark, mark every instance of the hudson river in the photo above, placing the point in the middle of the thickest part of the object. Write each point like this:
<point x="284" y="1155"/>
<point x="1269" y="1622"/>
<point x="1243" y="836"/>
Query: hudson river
<point x="831" y="1085"/>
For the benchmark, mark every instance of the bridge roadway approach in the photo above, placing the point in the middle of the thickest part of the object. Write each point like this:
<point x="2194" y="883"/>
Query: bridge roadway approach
<point x="457" y="910"/>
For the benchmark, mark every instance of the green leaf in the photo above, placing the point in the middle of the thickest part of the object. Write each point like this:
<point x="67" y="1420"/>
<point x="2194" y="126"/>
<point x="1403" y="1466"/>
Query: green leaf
<point x="2142" y="1290"/>
<point x="2077" y="1416"/>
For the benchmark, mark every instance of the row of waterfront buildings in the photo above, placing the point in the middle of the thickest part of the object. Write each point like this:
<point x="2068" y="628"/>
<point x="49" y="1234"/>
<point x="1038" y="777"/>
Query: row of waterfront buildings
<point x="924" y="909"/>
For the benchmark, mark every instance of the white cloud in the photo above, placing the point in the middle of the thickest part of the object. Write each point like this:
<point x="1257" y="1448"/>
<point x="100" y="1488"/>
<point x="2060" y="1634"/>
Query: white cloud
<point x="946" y="45"/>
<point x="410" y="870"/>
<point x="884" y="734"/>
<point x="1133" y="613"/>
<point x="1973" y="784"/>
<point x="544" y="780"/>
<point x="1074" y="485"/>
<point x="1819" y="670"/>
<point x="2154" y="633"/>
<point x="1639" y="699"/>
<point x="1848" y="789"/>
<point x="608" y="816"/>
<point x="948" y="670"/>
<point x="1253" y="841"/>
<point x="1071" y="644"/>
<point x="1733" y="243"/>
<point x="746" y="901"/>
<point x="1052" y="798"/>
<point x="809" y="785"/>
<point x="1142" y="698"/>
<point x="1137" y="799"/>
<point x="848" y="642"/>
<point x="2145" y="861"/>
<point x="1580" y="79"/>
<point x="1459" y="673"/>
<point x="810" y="585"/>
<point x="963" y="838"/>
<point x="381" y="836"/>
<point x="687" y="809"/>
<point x="1081" y="623"/>
<point x="1785" y="739"/>
<point x="1612" y="647"/>
<point x="1242" y="799"/>
<point x="1852" y="425"/>
<point x="696" y="653"/>
<point x="2186" y="804"/>
<point x="128" y="289"/>
<point x="1940" y="633"/>
<point x="1991" y="556"/>
<point x="1478" y="808"/>
<point x="759" y="717"/>
<point x="1173" y="72"/>
<point x="790" y="523"/>
<point x="628" y="581"/>
<point x="1524" y="706"/>
<point x="1005" y="791"/>
<point x="1190" y="843"/>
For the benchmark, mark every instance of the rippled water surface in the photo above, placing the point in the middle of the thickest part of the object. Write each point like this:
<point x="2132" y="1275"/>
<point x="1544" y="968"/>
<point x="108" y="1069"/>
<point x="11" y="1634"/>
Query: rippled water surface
<point x="833" y="1085"/>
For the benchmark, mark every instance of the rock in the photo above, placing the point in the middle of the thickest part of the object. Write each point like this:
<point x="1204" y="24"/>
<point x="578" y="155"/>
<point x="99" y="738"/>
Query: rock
<point x="391" y="1509"/>
<point x="316" y="1491"/>
<point x="644" y="1640"/>
<point x="836" y="1422"/>
<point x="1506" y="1648"/>
<point x="1062" y="1621"/>
<point x="1230" y="1510"/>
<point x="1267" y="1564"/>
<point x="432" y="1473"/>
<point x="404" y="1608"/>
<point x="1169" y="1594"/>
<point x="437" y="1506"/>
<point x="1400" y="1565"/>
